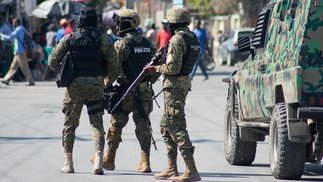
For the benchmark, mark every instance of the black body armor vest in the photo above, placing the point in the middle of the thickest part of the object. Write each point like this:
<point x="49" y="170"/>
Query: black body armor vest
<point x="140" y="55"/>
<point x="87" y="57"/>
<point x="192" y="54"/>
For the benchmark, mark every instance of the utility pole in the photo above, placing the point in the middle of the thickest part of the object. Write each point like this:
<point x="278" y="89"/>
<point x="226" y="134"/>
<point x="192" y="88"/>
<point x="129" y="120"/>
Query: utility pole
<point x="164" y="8"/>
<point x="18" y="9"/>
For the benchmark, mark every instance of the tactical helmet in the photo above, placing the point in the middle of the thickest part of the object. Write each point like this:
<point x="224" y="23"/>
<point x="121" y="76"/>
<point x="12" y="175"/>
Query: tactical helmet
<point x="88" y="17"/>
<point x="178" y="15"/>
<point x="128" y="15"/>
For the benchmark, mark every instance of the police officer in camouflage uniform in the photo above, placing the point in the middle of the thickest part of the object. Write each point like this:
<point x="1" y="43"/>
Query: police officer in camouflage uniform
<point x="182" y="54"/>
<point x="94" y="58"/>
<point x="133" y="53"/>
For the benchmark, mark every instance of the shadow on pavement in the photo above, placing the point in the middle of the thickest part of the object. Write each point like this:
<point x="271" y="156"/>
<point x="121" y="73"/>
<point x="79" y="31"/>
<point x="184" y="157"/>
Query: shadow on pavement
<point x="230" y="175"/>
<point x="3" y="138"/>
<point x="217" y="73"/>
<point x="313" y="170"/>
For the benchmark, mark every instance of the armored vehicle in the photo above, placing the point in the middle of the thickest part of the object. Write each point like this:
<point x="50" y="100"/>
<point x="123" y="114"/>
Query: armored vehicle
<point x="278" y="89"/>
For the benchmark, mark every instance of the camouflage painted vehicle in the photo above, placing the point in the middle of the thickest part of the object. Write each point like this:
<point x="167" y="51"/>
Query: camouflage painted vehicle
<point x="278" y="90"/>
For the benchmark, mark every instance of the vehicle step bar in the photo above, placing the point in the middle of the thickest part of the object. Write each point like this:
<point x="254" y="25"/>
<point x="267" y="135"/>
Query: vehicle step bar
<point x="310" y="113"/>
<point x="253" y="124"/>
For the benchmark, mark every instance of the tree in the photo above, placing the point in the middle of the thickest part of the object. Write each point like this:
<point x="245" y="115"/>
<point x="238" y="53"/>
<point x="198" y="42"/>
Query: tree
<point x="251" y="9"/>
<point x="248" y="9"/>
<point x="204" y="6"/>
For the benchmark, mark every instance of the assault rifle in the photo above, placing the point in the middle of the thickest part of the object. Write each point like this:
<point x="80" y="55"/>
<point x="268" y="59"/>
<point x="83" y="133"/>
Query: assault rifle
<point x="158" y="56"/>
<point x="154" y="60"/>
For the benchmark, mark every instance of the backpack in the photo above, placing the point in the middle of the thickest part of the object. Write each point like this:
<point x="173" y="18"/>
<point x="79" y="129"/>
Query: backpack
<point x="65" y="74"/>
<point x="28" y="44"/>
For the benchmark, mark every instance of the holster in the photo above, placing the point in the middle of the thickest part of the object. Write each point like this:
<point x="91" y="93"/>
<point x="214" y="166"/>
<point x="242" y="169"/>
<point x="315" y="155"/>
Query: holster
<point x="111" y="97"/>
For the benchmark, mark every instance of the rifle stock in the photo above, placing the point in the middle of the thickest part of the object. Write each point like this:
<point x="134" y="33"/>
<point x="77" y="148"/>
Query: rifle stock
<point x="140" y="77"/>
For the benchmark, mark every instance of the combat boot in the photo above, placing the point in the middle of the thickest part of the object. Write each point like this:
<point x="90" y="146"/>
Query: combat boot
<point x="190" y="173"/>
<point x="108" y="159"/>
<point x="68" y="163"/>
<point x="171" y="170"/>
<point x="144" y="165"/>
<point x="98" y="164"/>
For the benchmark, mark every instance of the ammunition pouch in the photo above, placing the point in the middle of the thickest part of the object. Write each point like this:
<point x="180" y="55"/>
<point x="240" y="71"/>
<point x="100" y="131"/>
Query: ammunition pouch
<point x="94" y="107"/>
<point x="111" y="97"/>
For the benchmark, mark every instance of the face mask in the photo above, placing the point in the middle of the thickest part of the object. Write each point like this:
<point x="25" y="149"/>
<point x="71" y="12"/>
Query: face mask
<point x="171" y="29"/>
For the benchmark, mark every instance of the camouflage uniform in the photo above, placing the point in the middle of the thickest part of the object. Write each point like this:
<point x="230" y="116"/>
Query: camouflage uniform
<point x="175" y="88"/>
<point x="120" y="118"/>
<point x="85" y="90"/>
<point x="176" y="85"/>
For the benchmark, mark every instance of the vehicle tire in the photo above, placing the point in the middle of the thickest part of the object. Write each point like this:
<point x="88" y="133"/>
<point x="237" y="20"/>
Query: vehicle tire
<point x="287" y="159"/>
<point x="237" y="151"/>
<point x="230" y="60"/>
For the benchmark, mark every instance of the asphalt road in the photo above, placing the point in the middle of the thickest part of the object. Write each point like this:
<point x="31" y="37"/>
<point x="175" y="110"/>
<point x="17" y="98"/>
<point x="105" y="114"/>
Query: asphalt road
<point x="31" y="151"/>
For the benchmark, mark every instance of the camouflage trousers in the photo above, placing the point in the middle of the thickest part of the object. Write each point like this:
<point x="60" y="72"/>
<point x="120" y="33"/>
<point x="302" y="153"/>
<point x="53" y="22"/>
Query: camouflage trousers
<point x="120" y="120"/>
<point x="79" y="93"/>
<point x="173" y="124"/>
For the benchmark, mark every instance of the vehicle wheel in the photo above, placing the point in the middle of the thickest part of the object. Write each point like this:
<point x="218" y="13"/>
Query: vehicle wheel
<point x="237" y="151"/>
<point x="230" y="61"/>
<point x="287" y="159"/>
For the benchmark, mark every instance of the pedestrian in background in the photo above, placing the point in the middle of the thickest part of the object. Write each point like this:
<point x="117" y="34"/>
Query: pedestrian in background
<point x="7" y="45"/>
<point x="20" y="59"/>
<point x="36" y="63"/>
<point x="6" y="28"/>
<point x="42" y="35"/>
<point x="151" y="33"/>
<point x="94" y="58"/>
<point x="50" y="43"/>
<point x="61" y="32"/>
<point x="182" y="53"/>
<point x="202" y="36"/>
<point x="133" y="52"/>
<point x="3" y="62"/>
<point x="70" y="27"/>
<point x="112" y="33"/>
<point x="163" y="35"/>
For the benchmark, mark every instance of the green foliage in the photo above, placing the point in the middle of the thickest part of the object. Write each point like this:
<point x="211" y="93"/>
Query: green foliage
<point x="232" y="6"/>
<point x="204" y="6"/>
<point x="253" y="5"/>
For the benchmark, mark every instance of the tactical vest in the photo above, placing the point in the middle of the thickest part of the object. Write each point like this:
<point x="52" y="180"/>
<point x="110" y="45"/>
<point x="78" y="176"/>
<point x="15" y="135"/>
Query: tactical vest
<point x="87" y="57"/>
<point x="140" y="55"/>
<point x="192" y="54"/>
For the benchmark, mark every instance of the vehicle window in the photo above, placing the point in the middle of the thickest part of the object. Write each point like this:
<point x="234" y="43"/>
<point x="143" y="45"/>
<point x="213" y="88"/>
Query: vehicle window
<point x="246" y="34"/>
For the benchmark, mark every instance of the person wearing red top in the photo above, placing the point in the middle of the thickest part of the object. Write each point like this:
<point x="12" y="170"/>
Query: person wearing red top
<point x="70" y="26"/>
<point x="163" y="36"/>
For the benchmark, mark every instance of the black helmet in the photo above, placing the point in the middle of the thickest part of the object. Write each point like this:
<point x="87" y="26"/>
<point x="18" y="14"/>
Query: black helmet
<point x="88" y="17"/>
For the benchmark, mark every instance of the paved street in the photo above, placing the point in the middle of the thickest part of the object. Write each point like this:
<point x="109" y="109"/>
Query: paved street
<point x="30" y="138"/>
